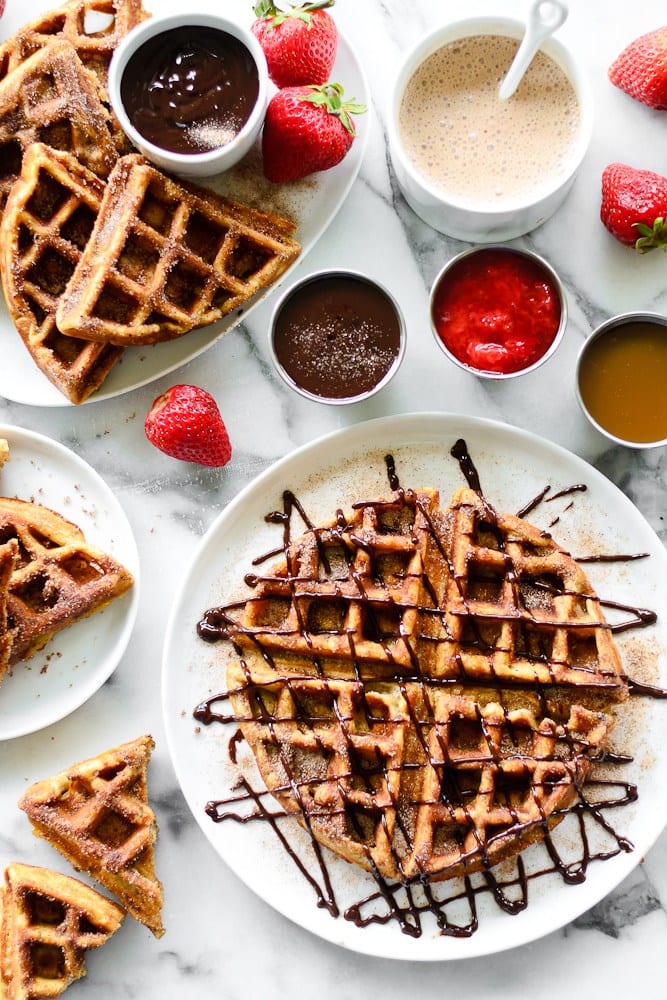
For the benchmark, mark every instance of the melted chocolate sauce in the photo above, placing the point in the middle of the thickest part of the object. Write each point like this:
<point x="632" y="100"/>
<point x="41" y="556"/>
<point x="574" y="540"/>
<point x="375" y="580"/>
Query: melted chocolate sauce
<point x="190" y="90"/>
<point x="407" y="901"/>
<point x="337" y="337"/>
<point x="460" y="452"/>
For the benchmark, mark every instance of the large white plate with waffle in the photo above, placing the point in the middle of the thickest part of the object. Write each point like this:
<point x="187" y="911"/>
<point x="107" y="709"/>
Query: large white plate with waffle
<point x="514" y="466"/>
<point x="312" y="203"/>
<point x="77" y="661"/>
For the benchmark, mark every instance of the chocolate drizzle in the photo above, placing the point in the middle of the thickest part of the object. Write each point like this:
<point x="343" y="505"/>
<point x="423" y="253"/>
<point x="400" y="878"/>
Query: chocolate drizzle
<point x="452" y="903"/>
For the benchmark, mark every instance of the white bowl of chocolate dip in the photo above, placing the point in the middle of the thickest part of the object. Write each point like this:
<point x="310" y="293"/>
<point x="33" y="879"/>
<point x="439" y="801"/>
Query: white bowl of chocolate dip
<point x="469" y="164"/>
<point x="190" y="91"/>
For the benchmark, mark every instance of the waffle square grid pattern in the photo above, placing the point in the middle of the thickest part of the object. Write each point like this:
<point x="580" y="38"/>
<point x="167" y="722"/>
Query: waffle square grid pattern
<point x="425" y="689"/>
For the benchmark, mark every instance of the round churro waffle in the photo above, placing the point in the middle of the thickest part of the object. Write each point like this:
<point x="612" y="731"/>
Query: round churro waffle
<point x="214" y="767"/>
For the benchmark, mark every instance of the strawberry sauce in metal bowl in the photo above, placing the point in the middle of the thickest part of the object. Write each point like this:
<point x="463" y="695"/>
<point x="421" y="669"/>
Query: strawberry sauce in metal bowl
<point x="497" y="311"/>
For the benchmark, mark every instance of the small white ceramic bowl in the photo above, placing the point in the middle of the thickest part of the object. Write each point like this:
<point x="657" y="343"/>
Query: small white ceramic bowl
<point x="649" y="400"/>
<point x="528" y="255"/>
<point x="332" y="369"/>
<point x="465" y="220"/>
<point x="211" y="161"/>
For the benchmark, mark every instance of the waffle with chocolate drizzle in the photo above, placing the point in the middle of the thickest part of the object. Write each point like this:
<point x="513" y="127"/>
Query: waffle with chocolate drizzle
<point x="425" y="689"/>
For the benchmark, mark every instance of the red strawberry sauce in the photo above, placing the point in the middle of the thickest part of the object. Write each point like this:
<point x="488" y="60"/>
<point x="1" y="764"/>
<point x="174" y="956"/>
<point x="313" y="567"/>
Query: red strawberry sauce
<point x="496" y="310"/>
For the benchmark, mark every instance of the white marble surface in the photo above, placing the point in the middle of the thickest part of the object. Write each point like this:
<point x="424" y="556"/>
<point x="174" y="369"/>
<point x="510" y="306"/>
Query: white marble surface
<point x="221" y="940"/>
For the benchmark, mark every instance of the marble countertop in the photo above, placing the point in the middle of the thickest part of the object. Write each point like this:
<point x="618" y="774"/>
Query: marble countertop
<point x="221" y="939"/>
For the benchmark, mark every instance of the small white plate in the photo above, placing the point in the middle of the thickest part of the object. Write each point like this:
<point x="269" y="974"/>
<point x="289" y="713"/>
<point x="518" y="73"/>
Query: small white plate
<point x="77" y="661"/>
<point x="312" y="203"/>
<point x="333" y="472"/>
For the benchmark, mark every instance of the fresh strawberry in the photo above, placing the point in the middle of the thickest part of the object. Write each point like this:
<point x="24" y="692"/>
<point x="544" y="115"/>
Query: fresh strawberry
<point x="634" y="206"/>
<point x="299" y="44"/>
<point x="185" y="422"/>
<point x="641" y="69"/>
<point x="307" y="129"/>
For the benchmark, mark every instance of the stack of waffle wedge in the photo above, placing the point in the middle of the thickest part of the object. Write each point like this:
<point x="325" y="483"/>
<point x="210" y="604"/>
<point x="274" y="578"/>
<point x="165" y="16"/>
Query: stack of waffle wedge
<point x="426" y="689"/>
<point x="100" y="250"/>
<point x="97" y="814"/>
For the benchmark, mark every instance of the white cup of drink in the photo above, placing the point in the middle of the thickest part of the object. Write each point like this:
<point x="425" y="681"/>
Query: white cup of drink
<point x="469" y="164"/>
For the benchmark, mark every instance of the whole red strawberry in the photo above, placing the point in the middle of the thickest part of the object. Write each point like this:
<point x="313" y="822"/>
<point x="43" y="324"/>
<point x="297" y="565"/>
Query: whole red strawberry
<point x="634" y="206"/>
<point x="307" y="129"/>
<point x="299" y="44"/>
<point x="641" y="69"/>
<point x="185" y="422"/>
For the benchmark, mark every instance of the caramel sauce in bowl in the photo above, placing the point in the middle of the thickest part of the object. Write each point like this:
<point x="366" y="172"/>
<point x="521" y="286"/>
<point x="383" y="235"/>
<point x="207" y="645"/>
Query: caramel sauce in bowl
<point x="621" y="379"/>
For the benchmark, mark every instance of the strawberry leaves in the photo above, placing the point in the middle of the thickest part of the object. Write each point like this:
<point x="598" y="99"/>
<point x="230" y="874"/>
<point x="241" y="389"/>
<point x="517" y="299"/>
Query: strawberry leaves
<point x="330" y="97"/>
<point x="267" y="11"/>
<point x="651" y="236"/>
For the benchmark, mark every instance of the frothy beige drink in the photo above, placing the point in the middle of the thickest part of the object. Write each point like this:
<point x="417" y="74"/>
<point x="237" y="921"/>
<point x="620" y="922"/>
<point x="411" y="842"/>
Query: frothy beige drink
<point x="474" y="147"/>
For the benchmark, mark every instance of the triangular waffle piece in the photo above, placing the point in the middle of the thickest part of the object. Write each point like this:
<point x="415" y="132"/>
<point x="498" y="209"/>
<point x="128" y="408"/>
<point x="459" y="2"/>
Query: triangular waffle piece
<point x="166" y="256"/>
<point x="96" y="813"/>
<point x="45" y="226"/>
<point x="52" y="98"/>
<point x="93" y="28"/>
<point x="4" y="451"/>
<point x="358" y="683"/>
<point x="8" y="553"/>
<point x="49" y="921"/>
<point x="58" y="578"/>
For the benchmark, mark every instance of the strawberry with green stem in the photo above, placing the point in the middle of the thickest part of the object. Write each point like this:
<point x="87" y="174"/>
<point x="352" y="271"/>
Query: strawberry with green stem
<point x="299" y="43"/>
<point x="634" y="206"/>
<point x="307" y="129"/>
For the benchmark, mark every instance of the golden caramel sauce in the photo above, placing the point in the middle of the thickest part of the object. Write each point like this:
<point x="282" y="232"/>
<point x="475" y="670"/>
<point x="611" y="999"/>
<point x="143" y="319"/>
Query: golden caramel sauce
<point x="623" y="381"/>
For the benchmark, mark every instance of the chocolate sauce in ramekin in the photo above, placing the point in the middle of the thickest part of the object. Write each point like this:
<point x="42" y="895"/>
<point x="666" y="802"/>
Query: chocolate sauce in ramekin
<point x="337" y="336"/>
<point x="191" y="89"/>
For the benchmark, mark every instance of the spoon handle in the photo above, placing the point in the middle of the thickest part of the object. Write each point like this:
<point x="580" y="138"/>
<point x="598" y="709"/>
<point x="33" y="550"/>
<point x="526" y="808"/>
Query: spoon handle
<point x="544" y="17"/>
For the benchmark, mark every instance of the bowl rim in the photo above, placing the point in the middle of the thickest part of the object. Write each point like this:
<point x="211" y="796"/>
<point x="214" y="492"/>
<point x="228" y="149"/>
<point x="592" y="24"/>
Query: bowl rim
<point x="356" y="275"/>
<point x="612" y="323"/>
<point x="161" y="24"/>
<point x="520" y="252"/>
<point x="451" y="31"/>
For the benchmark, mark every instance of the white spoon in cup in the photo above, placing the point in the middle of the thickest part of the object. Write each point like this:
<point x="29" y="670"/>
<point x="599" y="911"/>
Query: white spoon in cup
<point x="544" y="17"/>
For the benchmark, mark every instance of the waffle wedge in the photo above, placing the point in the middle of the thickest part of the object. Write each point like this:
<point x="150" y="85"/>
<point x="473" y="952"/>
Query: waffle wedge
<point x="52" y="98"/>
<point x="57" y="579"/>
<point x="4" y="451"/>
<point x="97" y="814"/>
<point x="48" y="923"/>
<point x="46" y="224"/>
<point x="166" y="256"/>
<point x="426" y="690"/>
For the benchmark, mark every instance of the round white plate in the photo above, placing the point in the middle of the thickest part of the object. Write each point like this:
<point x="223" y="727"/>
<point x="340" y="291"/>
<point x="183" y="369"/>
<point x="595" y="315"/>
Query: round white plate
<point x="514" y="466"/>
<point x="77" y="661"/>
<point x="312" y="203"/>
